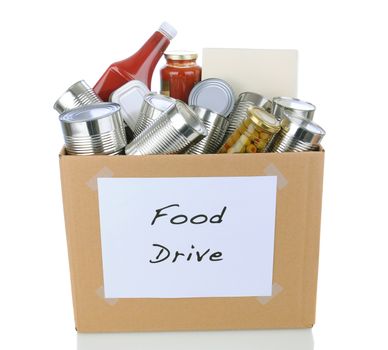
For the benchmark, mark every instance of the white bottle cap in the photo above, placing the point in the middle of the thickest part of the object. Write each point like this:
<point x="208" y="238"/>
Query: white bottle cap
<point x="167" y="30"/>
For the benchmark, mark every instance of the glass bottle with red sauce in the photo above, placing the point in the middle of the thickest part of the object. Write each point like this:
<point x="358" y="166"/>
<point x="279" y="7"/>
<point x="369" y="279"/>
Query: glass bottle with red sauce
<point x="180" y="74"/>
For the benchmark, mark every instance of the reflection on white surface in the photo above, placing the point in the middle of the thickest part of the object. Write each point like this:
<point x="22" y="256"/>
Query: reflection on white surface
<point x="298" y="339"/>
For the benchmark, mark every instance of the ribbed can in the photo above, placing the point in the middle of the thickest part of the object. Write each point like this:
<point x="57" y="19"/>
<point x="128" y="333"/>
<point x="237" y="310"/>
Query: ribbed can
<point x="282" y="106"/>
<point x="216" y="125"/>
<point x="153" y="107"/>
<point x="77" y="95"/>
<point x="93" y="129"/>
<point x="175" y="131"/>
<point x="297" y="135"/>
<point x="240" y="110"/>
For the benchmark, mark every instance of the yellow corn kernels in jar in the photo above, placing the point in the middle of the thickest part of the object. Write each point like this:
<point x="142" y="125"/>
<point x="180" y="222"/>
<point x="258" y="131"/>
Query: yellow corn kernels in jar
<point x="253" y="134"/>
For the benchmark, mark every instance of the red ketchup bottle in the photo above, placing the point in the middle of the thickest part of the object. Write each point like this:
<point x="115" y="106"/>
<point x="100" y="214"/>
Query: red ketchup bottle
<point x="139" y="66"/>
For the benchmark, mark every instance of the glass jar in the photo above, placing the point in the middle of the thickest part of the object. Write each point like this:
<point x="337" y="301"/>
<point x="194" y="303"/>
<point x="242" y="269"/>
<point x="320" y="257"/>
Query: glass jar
<point x="180" y="74"/>
<point x="253" y="134"/>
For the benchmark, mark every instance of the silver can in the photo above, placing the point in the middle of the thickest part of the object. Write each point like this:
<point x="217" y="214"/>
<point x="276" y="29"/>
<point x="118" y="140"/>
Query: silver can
<point x="173" y="132"/>
<point x="93" y="129"/>
<point x="291" y="106"/>
<point x="297" y="135"/>
<point x="216" y="125"/>
<point x="213" y="94"/>
<point x="77" y="95"/>
<point x="153" y="107"/>
<point x="240" y="110"/>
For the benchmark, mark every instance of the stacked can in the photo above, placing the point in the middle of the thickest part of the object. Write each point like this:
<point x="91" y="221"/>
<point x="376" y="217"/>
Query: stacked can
<point x="297" y="135"/>
<point x="77" y="95"/>
<point x="93" y="129"/>
<point x="216" y="125"/>
<point x="153" y="107"/>
<point x="253" y="134"/>
<point x="244" y="102"/>
<point x="175" y="131"/>
<point x="282" y="106"/>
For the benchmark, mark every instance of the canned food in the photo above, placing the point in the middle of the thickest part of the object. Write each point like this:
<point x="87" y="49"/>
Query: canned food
<point x="292" y="107"/>
<point x="240" y="110"/>
<point x="93" y="129"/>
<point x="216" y="125"/>
<point x="153" y="107"/>
<point x="130" y="97"/>
<point x="253" y="134"/>
<point x="175" y="131"/>
<point x="77" y="95"/>
<point x="297" y="135"/>
<point x="213" y="94"/>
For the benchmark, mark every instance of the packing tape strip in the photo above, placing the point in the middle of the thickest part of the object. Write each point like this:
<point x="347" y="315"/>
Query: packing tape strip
<point x="104" y="172"/>
<point x="101" y="294"/>
<point x="272" y="170"/>
<point x="276" y="289"/>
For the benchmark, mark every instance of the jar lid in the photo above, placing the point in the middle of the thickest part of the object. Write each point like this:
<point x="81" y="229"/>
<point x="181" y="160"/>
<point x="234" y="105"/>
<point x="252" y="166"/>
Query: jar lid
<point x="180" y="55"/>
<point x="263" y="119"/>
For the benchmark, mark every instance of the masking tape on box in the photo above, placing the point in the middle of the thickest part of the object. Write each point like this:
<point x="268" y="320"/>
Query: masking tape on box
<point x="272" y="170"/>
<point x="104" y="172"/>
<point x="276" y="289"/>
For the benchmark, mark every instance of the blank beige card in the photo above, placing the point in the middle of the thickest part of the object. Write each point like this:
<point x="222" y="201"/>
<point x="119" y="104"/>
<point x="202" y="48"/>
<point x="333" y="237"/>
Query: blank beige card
<point x="267" y="72"/>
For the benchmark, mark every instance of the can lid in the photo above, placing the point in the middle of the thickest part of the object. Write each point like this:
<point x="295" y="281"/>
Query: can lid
<point x="263" y="119"/>
<point x="180" y="55"/>
<point x="214" y="94"/>
<point x="130" y="97"/>
<point x="294" y="103"/>
<point x="159" y="102"/>
<point x="303" y="129"/>
<point x="89" y="113"/>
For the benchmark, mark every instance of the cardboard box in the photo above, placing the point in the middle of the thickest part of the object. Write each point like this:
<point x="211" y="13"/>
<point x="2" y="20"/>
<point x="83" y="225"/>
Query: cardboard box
<point x="293" y="300"/>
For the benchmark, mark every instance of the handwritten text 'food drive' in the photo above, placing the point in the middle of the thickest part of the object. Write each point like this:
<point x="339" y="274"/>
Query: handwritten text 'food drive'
<point x="164" y="254"/>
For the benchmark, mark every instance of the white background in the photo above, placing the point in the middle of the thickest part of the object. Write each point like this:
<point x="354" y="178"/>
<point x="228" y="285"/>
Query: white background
<point x="48" y="45"/>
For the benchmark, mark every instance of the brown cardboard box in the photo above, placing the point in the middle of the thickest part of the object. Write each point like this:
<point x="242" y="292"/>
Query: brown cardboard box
<point x="292" y="304"/>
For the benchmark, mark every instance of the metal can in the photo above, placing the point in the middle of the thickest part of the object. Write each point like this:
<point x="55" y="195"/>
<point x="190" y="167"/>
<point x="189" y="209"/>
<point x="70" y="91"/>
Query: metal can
<point x="77" y="95"/>
<point x="297" y="135"/>
<point x="153" y="107"/>
<point x="240" y="110"/>
<point x="93" y="129"/>
<point x="291" y="106"/>
<point x="253" y="134"/>
<point x="175" y="131"/>
<point x="216" y="125"/>
<point x="213" y="94"/>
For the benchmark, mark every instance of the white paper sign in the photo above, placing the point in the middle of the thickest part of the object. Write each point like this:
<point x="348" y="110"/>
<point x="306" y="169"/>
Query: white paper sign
<point x="187" y="237"/>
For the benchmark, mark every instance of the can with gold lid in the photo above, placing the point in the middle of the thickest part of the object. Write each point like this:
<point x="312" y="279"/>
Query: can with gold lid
<point x="254" y="133"/>
<point x="180" y="74"/>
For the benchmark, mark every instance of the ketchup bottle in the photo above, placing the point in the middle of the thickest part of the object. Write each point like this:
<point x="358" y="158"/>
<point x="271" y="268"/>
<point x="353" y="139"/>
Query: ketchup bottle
<point x="139" y="66"/>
